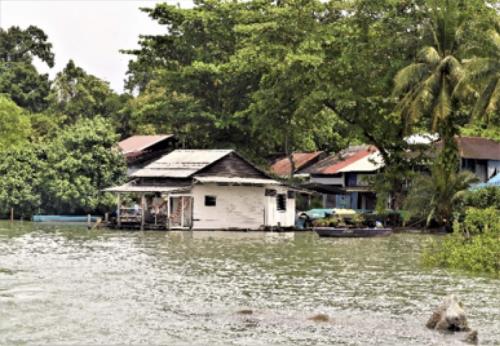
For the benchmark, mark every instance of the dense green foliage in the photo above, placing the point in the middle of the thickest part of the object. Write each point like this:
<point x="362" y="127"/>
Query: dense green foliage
<point x="434" y="197"/>
<point x="15" y="125"/>
<point x="474" y="245"/>
<point x="63" y="174"/>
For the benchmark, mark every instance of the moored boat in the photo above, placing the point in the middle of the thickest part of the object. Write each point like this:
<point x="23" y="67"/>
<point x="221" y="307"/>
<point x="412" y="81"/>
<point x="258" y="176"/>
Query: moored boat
<point x="351" y="232"/>
<point x="63" y="218"/>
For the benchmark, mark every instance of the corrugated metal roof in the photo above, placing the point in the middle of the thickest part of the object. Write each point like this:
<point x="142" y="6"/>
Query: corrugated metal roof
<point x="129" y="187"/>
<point x="181" y="163"/>
<point x="283" y="167"/>
<point x="362" y="158"/>
<point x="237" y="180"/>
<point x="139" y="143"/>
<point x="369" y="163"/>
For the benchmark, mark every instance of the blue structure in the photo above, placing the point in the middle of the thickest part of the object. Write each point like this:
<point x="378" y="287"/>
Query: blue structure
<point x="494" y="181"/>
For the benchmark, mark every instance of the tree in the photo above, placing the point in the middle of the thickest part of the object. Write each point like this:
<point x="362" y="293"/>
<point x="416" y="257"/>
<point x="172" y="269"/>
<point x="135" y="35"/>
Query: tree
<point x="483" y="72"/>
<point x="18" y="77"/>
<point x="77" y="94"/>
<point x="15" y="126"/>
<point x="434" y="197"/>
<point x="429" y="89"/>
<point x="81" y="161"/>
<point x="20" y="170"/>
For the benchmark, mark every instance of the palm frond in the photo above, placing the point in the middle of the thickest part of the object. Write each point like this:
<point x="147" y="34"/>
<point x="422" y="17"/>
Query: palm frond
<point x="429" y="55"/>
<point x="408" y="78"/>
<point x="487" y="101"/>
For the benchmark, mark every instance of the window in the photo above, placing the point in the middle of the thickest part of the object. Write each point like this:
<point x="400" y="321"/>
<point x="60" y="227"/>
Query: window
<point x="210" y="201"/>
<point x="281" y="202"/>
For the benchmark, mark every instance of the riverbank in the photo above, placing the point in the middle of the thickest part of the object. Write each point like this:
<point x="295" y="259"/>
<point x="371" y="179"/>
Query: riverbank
<point x="65" y="284"/>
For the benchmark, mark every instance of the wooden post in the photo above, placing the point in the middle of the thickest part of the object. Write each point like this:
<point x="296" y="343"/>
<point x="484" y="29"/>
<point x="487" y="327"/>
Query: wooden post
<point x="106" y="217"/>
<point x="118" y="217"/>
<point x="143" y="207"/>
<point x="11" y="214"/>
<point x="182" y="211"/>
<point x="168" y="212"/>
<point x="89" y="221"/>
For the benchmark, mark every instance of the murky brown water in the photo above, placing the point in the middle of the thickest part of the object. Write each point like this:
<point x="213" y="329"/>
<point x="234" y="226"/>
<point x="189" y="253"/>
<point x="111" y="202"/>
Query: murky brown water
<point x="66" y="285"/>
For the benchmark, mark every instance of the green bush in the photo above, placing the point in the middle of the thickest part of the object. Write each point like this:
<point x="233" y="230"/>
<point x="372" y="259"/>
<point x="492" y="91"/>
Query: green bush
<point x="483" y="198"/>
<point x="474" y="246"/>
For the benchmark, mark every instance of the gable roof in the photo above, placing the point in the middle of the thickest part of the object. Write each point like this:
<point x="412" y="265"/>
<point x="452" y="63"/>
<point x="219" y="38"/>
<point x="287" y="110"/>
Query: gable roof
<point x="301" y="159"/>
<point x="478" y="148"/>
<point x="362" y="158"/>
<point x="181" y="163"/>
<point x="136" y="144"/>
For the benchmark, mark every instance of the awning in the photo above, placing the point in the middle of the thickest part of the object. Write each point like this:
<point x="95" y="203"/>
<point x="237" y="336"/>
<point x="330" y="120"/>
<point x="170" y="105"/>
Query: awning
<point x="146" y="188"/>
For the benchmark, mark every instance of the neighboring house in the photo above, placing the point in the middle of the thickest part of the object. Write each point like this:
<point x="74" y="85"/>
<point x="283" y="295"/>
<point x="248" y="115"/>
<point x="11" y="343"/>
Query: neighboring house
<point x="207" y="189"/>
<point x="140" y="150"/>
<point x="344" y="178"/>
<point x="478" y="155"/>
<point x="302" y="160"/>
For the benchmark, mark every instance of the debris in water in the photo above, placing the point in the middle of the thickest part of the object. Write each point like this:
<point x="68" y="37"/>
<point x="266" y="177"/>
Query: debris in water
<point x="245" y="312"/>
<point x="320" y="318"/>
<point x="472" y="338"/>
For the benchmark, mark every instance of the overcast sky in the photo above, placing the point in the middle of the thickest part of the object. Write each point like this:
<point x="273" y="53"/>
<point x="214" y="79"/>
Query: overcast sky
<point x="88" y="31"/>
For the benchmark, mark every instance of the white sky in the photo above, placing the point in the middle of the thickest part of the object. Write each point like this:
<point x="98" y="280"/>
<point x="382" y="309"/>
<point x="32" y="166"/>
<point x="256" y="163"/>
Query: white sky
<point x="91" y="32"/>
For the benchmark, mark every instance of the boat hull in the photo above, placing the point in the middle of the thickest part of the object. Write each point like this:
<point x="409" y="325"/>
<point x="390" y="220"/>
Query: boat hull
<point x="62" y="218"/>
<point x="351" y="232"/>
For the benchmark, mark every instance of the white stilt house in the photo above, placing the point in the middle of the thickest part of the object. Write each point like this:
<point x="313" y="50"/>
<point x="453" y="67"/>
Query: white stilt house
<point x="206" y="190"/>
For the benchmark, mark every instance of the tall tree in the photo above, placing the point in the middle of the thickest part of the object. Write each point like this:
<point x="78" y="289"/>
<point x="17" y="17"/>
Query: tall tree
<point x="18" y="77"/>
<point x="77" y="94"/>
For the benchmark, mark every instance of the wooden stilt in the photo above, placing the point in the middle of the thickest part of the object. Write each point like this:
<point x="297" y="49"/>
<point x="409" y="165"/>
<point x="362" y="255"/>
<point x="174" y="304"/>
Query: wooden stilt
<point x="118" y="218"/>
<point x="143" y="211"/>
<point x="89" y="221"/>
<point x="11" y="214"/>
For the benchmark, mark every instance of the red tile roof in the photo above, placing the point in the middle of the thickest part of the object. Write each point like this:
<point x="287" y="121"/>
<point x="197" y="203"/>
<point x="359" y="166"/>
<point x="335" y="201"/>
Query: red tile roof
<point x="283" y="167"/>
<point x="334" y="163"/>
<point x="136" y="144"/>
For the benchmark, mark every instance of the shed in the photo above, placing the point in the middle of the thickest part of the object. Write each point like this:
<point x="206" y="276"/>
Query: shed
<point x="206" y="190"/>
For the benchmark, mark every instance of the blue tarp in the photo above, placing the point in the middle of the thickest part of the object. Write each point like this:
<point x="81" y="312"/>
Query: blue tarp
<point x="494" y="181"/>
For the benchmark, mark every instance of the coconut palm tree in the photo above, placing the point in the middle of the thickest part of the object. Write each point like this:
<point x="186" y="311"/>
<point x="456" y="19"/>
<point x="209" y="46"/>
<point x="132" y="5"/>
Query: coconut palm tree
<point x="484" y="73"/>
<point x="427" y="88"/>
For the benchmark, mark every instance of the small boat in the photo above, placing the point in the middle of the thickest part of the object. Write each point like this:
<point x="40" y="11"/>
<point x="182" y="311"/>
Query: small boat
<point x="62" y="218"/>
<point x="351" y="232"/>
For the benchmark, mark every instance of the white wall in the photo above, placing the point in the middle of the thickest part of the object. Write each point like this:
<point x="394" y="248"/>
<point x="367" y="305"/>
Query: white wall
<point x="328" y="180"/>
<point x="493" y="166"/>
<point x="236" y="207"/>
<point x="239" y="207"/>
<point x="274" y="217"/>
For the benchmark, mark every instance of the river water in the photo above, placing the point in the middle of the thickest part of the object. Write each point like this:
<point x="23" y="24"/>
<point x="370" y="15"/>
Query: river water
<point x="66" y="285"/>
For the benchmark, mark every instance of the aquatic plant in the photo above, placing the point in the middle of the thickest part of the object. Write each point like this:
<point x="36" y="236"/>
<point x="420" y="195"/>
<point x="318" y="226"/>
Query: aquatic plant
<point x="474" y="246"/>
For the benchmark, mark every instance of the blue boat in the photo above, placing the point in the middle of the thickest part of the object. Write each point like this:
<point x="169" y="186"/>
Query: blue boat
<point x="63" y="218"/>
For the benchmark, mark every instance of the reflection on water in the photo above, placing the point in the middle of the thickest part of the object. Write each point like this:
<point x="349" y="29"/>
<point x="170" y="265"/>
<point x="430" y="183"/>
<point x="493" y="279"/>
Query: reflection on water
<point x="66" y="285"/>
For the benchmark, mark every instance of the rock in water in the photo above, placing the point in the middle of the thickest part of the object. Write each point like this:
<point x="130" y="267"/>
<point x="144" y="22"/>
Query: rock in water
<point x="449" y="316"/>
<point x="472" y="338"/>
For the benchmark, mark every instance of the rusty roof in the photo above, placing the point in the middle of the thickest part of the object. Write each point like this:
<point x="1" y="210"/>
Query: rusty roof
<point x="137" y="144"/>
<point x="476" y="148"/>
<point x="283" y="167"/>
<point x="355" y="158"/>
